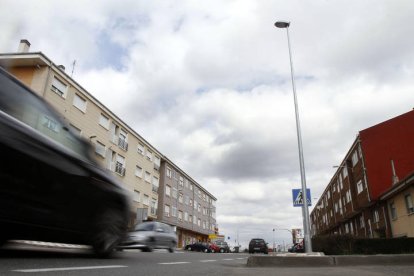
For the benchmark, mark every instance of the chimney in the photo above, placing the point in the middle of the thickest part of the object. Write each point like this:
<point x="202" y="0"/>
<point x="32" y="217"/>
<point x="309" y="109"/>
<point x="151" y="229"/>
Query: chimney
<point x="24" y="46"/>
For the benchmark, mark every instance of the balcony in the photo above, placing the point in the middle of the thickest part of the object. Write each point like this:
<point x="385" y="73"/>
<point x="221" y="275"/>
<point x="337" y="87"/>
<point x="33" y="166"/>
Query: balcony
<point x="119" y="169"/>
<point x="123" y="144"/>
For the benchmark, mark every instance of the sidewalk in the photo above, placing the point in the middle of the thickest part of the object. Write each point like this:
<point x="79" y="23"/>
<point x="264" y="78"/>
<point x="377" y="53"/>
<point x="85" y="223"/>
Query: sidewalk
<point x="316" y="259"/>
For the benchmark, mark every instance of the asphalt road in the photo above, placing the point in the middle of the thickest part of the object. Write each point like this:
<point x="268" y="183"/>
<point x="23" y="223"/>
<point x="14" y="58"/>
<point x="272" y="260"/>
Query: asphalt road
<point x="32" y="260"/>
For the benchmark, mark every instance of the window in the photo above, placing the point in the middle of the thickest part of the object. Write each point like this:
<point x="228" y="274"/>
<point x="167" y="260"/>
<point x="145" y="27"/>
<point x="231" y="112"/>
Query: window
<point x="393" y="211"/>
<point x="180" y="215"/>
<point x="154" y="206"/>
<point x="157" y="162"/>
<point x="59" y="87"/>
<point x="79" y="103"/>
<point x="168" y="172"/>
<point x="155" y="184"/>
<point x="137" y="196"/>
<point x="181" y="181"/>
<point x="100" y="149"/>
<point x="104" y="121"/>
<point x="348" y="196"/>
<point x="180" y="198"/>
<point x="354" y="158"/>
<point x="167" y="210"/>
<point x="195" y="219"/>
<point x="409" y="203"/>
<point x="149" y="155"/>
<point x="174" y="211"/>
<point x="175" y="193"/>
<point x="123" y="140"/>
<point x="341" y="186"/>
<point x="120" y="165"/>
<point x="140" y="149"/>
<point x="138" y="171"/>
<point x="360" y="187"/>
<point x="167" y="190"/>
<point x="147" y="177"/>
<point x="361" y="222"/>
<point x="185" y="216"/>
<point x="376" y="216"/>
<point x="345" y="172"/>
<point x="146" y="200"/>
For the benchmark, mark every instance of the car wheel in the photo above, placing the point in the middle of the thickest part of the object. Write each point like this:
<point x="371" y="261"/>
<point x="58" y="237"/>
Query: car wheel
<point x="189" y="248"/>
<point x="206" y="250"/>
<point x="221" y="250"/>
<point x="110" y="228"/>
<point x="213" y="251"/>
<point x="172" y="248"/>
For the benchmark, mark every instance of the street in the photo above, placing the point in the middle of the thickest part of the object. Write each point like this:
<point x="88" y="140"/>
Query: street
<point x="35" y="260"/>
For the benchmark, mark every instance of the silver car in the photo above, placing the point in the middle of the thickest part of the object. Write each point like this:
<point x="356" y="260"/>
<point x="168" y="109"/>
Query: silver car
<point x="150" y="235"/>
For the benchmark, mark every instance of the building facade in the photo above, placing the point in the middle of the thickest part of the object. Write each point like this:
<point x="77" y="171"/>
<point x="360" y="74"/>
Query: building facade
<point x="117" y="147"/>
<point x="185" y="204"/>
<point x="351" y="203"/>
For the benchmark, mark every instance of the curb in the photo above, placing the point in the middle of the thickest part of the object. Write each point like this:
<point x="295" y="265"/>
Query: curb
<point x="317" y="261"/>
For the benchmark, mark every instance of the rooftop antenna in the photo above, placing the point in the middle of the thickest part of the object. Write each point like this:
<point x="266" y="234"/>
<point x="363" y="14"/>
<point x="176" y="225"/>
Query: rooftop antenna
<point x="73" y="67"/>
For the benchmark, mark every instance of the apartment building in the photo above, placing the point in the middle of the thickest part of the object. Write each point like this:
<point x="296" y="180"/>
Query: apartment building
<point x="353" y="201"/>
<point x="132" y="159"/>
<point x="185" y="204"/>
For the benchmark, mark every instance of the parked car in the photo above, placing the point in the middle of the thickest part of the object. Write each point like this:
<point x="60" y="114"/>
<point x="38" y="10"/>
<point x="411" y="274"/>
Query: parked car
<point x="224" y="247"/>
<point x="51" y="188"/>
<point x="214" y="248"/>
<point x="198" y="246"/>
<point x="258" y="245"/>
<point x="150" y="235"/>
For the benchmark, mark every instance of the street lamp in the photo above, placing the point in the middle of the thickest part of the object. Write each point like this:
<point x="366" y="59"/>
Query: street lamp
<point x="305" y="211"/>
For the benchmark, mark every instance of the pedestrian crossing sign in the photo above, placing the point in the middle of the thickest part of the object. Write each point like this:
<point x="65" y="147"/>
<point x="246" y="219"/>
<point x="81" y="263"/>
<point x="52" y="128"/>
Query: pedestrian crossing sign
<point x="298" y="197"/>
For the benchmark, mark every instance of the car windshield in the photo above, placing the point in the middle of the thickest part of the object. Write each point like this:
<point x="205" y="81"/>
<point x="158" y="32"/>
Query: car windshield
<point x="144" y="227"/>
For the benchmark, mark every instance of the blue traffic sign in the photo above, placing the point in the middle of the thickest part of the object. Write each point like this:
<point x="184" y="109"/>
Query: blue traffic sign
<point x="298" y="197"/>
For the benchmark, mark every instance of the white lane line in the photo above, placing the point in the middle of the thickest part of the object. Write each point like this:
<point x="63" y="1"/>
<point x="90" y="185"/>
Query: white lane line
<point x="68" y="268"/>
<point x="228" y="259"/>
<point x="207" y="261"/>
<point x="173" y="263"/>
<point x="240" y="258"/>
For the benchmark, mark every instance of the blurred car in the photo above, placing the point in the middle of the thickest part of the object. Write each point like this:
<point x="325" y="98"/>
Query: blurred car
<point x="258" y="245"/>
<point x="214" y="248"/>
<point x="150" y="235"/>
<point x="224" y="247"/>
<point x="198" y="246"/>
<point x="297" y="248"/>
<point x="51" y="189"/>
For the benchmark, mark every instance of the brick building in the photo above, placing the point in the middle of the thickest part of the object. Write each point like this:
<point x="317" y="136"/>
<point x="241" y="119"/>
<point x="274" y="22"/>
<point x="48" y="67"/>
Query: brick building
<point x="353" y="202"/>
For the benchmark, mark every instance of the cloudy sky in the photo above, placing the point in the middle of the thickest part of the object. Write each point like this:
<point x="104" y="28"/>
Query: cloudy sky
<point x="208" y="84"/>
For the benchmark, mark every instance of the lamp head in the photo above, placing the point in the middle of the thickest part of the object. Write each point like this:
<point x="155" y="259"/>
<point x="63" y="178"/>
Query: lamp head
<point x="282" y="24"/>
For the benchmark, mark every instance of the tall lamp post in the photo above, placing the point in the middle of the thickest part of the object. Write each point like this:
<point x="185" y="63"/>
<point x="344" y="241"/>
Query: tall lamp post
<point x="305" y="211"/>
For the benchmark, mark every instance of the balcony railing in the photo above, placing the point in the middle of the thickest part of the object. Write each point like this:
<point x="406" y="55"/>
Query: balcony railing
<point x="119" y="168"/>
<point x="122" y="143"/>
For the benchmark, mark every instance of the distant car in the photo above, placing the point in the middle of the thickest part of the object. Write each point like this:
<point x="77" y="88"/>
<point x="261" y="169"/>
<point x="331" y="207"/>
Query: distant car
<point x="150" y="235"/>
<point x="297" y="248"/>
<point x="214" y="248"/>
<point x="224" y="247"/>
<point x="258" y="245"/>
<point x="198" y="246"/>
<point x="51" y="188"/>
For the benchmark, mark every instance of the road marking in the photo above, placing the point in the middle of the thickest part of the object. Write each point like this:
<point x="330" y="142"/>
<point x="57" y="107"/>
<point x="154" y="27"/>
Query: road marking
<point x="68" y="268"/>
<point x="241" y="258"/>
<point x="228" y="259"/>
<point x="173" y="263"/>
<point x="206" y="261"/>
